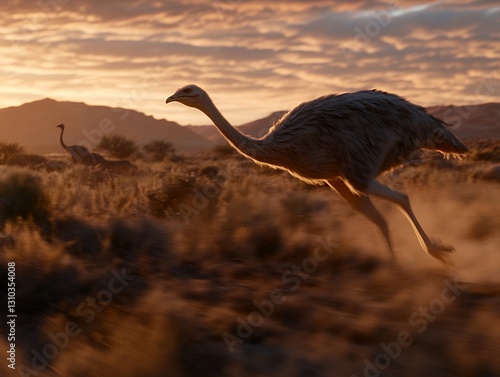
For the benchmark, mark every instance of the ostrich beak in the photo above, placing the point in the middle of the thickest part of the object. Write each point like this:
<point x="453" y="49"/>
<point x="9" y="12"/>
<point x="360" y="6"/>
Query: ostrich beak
<point x="170" y="99"/>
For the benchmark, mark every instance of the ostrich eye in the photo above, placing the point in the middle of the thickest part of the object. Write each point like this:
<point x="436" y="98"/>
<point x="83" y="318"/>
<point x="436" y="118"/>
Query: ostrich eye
<point x="187" y="90"/>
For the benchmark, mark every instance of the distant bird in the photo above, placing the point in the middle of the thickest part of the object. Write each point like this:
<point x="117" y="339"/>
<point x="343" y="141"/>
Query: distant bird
<point x="345" y="141"/>
<point x="79" y="153"/>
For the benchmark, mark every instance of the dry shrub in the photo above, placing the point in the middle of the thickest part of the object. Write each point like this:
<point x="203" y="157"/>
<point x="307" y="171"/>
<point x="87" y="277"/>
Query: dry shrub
<point x="159" y="150"/>
<point x="27" y="160"/>
<point x="142" y="243"/>
<point x="486" y="154"/>
<point x="185" y="196"/>
<point x="8" y="150"/>
<point x="162" y="200"/>
<point x="46" y="282"/>
<point x="80" y="237"/>
<point x="118" y="146"/>
<point x="21" y="195"/>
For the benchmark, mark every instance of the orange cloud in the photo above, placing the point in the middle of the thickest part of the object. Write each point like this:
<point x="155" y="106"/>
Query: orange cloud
<point x="268" y="56"/>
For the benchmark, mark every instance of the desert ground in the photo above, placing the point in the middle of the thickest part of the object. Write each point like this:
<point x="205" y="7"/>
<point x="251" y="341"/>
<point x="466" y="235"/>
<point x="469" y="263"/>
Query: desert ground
<point x="209" y="265"/>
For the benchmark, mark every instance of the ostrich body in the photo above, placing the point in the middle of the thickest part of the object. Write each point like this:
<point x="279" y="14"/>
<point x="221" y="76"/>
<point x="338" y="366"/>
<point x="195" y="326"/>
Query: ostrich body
<point x="345" y="141"/>
<point x="96" y="159"/>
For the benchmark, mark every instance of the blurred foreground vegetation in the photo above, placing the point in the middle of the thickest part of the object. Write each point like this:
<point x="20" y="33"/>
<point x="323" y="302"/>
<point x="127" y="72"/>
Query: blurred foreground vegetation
<point x="212" y="266"/>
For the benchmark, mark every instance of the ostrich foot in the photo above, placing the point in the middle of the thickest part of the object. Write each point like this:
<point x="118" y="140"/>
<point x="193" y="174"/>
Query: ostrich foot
<point x="441" y="252"/>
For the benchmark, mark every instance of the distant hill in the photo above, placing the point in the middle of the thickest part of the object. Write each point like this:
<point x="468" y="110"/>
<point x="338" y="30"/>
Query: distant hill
<point x="469" y="122"/>
<point x="33" y="125"/>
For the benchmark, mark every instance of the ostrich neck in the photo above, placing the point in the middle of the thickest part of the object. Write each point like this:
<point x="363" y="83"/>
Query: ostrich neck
<point x="61" y="139"/>
<point x="252" y="148"/>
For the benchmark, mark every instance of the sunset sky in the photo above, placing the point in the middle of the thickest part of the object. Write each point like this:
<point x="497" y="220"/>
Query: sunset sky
<point x="252" y="56"/>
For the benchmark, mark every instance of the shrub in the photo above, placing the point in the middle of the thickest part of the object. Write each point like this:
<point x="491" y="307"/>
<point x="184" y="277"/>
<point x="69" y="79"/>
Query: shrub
<point x="484" y="150"/>
<point x="26" y="160"/>
<point x="159" y="149"/>
<point x="118" y="146"/>
<point x="485" y="155"/>
<point x="21" y="195"/>
<point x="162" y="200"/>
<point x="142" y="243"/>
<point x="8" y="150"/>
<point x="80" y="237"/>
<point x="45" y="284"/>
<point x="185" y="196"/>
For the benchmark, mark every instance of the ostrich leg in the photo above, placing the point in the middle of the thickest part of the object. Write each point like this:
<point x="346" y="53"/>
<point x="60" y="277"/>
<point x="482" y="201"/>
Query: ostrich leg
<point x="363" y="204"/>
<point x="435" y="249"/>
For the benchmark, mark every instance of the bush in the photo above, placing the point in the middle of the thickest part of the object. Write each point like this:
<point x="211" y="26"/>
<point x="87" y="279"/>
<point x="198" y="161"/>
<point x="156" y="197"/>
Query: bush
<point x="162" y="200"/>
<point x="118" y="146"/>
<point x="8" y="150"/>
<point x="142" y="243"/>
<point x="185" y="196"/>
<point x="26" y="160"/>
<point x="159" y="149"/>
<point x="485" y="155"/>
<point x="21" y="195"/>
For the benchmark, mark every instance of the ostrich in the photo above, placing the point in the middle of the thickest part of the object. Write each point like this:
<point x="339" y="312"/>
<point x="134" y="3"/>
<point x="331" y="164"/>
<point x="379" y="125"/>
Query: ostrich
<point x="345" y="141"/>
<point x="79" y="153"/>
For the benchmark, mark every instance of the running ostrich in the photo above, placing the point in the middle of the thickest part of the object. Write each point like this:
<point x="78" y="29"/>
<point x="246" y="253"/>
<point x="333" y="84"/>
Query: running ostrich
<point x="79" y="153"/>
<point x="345" y="141"/>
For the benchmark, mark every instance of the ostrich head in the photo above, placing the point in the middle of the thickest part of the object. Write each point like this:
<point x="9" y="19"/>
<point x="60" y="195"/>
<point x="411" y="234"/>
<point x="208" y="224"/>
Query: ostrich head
<point x="190" y="95"/>
<point x="60" y="126"/>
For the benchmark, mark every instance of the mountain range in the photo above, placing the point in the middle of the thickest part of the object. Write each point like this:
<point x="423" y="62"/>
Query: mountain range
<point x="33" y="125"/>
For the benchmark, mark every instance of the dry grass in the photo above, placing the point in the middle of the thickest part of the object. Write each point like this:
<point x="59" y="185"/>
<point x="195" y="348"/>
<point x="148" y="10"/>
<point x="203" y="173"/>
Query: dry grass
<point x="207" y="241"/>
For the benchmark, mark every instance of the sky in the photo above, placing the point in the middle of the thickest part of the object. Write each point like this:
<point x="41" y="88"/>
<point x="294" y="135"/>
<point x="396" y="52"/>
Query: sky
<point x="252" y="56"/>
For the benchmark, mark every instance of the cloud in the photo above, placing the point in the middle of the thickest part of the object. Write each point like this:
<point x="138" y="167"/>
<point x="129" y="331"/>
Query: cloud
<point x="268" y="56"/>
